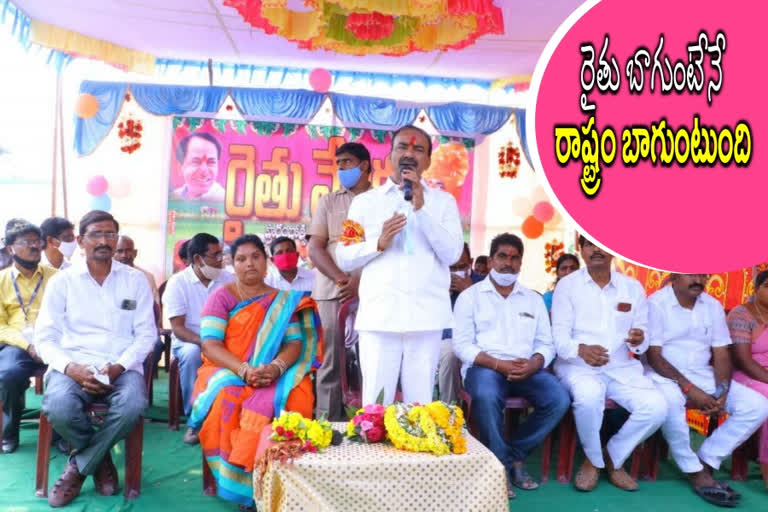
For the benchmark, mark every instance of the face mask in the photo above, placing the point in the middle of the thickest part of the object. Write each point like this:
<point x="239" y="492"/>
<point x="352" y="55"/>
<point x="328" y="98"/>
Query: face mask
<point x="460" y="273"/>
<point x="210" y="272"/>
<point x="503" y="279"/>
<point x="67" y="249"/>
<point x="349" y="177"/>
<point x="29" y="265"/>
<point x="286" y="260"/>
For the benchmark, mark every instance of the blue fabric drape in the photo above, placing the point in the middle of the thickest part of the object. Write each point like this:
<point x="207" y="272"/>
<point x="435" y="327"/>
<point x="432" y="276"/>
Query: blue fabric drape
<point x="297" y="105"/>
<point x="520" y="118"/>
<point x="465" y="118"/>
<point x="90" y="132"/>
<point x="371" y="112"/>
<point x="177" y="99"/>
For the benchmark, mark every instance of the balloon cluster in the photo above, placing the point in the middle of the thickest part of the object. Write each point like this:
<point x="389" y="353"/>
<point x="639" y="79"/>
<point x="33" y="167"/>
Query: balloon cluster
<point x="102" y="191"/>
<point x="537" y="212"/>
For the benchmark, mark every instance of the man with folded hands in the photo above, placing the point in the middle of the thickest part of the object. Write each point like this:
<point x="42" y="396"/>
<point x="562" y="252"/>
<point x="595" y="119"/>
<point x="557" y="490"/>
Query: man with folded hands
<point x="687" y="328"/>
<point x="503" y="339"/>
<point x="95" y="329"/>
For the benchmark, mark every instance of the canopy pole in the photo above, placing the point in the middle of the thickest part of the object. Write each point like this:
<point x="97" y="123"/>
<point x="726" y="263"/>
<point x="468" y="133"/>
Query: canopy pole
<point x="55" y="145"/>
<point x="210" y="72"/>
<point x="61" y="147"/>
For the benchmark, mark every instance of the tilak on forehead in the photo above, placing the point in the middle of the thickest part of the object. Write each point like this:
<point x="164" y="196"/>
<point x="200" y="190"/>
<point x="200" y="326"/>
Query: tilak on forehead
<point x="412" y="141"/>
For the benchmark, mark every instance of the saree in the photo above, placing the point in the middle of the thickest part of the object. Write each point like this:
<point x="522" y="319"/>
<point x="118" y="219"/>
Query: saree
<point x="229" y="414"/>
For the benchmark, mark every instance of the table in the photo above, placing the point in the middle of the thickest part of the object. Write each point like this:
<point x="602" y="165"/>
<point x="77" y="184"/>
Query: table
<point x="377" y="477"/>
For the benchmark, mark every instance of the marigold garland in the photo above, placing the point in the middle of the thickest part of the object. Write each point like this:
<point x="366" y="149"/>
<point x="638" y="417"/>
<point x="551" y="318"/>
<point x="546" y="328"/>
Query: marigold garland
<point x="434" y="428"/>
<point x="552" y="251"/>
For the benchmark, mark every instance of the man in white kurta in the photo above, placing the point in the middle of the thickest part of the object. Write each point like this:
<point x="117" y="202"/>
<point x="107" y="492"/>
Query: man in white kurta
<point x="598" y="317"/>
<point x="687" y="327"/>
<point x="404" y="249"/>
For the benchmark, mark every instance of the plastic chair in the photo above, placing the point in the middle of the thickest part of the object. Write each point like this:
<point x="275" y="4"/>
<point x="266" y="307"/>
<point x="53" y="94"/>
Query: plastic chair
<point x="133" y="446"/>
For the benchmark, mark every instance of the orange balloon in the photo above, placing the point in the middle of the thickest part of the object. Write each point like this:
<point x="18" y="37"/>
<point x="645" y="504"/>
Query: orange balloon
<point x="87" y="106"/>
<point x="532" y="228"/>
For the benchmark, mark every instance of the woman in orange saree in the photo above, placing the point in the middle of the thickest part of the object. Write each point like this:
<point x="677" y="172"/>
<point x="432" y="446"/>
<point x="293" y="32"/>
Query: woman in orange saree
<point x="259" y="347"/>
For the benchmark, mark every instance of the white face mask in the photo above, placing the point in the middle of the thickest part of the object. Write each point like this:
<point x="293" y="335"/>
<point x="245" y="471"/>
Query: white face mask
<point x="461" y="273"/>
<point x="210" y="272"/>
<point x="503" y="279"/>
<point x="67" y="249"/>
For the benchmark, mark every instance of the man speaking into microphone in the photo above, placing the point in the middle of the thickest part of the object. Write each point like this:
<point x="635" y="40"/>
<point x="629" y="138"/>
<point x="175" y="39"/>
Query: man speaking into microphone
<point x="404" y="236"/>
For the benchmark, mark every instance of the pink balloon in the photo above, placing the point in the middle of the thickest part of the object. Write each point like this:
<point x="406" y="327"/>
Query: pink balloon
<point x="320" y="80"/>
<point x="97" y="185"/>
<point x="543" y="211"/>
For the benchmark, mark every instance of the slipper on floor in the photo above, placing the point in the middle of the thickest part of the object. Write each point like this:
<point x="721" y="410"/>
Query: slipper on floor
<point x="725" y="485"/>
<point x="716" y="495"/>
<point x="521" y="479"/>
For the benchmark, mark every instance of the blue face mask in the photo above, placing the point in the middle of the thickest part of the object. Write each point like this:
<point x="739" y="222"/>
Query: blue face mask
<point x="349" y="177"/>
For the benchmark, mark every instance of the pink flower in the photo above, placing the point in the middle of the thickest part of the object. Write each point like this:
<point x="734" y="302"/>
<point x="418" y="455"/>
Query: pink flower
<point x="366" y="425"/>
<point x="374" y="409"/>
<point x="289" y="434"/>
<point x="357" y="419"/>
<point x="375" y="434"/>
<point x="280" y="430"/>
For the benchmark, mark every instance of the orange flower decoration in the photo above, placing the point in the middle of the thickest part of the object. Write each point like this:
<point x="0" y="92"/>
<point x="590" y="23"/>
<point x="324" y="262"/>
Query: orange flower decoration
<point x="552" y="251"/>
<point x="351" y="233"/>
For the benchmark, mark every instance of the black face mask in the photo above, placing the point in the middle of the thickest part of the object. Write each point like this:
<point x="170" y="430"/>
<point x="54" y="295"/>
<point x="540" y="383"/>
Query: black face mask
<point x="29" y="265"/>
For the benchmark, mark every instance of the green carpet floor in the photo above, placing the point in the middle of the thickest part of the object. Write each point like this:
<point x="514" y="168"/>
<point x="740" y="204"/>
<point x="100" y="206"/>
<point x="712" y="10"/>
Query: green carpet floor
<point x="171" y="479"/>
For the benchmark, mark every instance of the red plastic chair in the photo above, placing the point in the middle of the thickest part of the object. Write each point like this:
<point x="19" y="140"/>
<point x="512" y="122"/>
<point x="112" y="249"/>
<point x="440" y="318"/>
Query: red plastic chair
<point x="515" y="407"/>
<point x="568" y="437"/>
<point x="133" y="447"/>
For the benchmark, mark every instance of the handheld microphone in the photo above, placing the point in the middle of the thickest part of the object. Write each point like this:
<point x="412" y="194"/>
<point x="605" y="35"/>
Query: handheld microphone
<point x="407" y="186"/>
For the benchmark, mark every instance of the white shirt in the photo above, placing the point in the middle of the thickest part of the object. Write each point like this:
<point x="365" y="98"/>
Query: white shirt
<point x="405" y="288"/>
<point x="505" y="328"/>
<point x="44" y="261"/>
<point x="303" y="282"/>
<point x="214" y="194"/>
<point x="85" y="323"/>
<point x="185" y="295"/>
<point x="582" y="312"/>
<point x="686" y="335"/>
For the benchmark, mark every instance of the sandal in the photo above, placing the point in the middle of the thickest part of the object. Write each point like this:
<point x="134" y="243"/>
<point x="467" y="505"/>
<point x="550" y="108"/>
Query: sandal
<point x="67" y="487"/>
<point x="716" y="495"/>
<point x="726" y="486"/>
<point x="521" y="479"/>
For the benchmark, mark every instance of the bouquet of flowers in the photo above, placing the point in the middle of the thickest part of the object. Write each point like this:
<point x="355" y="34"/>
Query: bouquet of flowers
<point x="312" y="435"/>
<point x="367" y="424"/>
<point x="436" y="428"/>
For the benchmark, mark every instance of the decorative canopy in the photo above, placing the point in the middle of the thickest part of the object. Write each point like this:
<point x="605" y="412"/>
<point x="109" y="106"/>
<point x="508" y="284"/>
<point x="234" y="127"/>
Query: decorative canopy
<point x="384" y="27"/>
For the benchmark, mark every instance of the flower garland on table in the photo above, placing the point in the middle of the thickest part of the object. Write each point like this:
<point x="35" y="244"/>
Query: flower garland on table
<point x="434" y="428"/>
<point x="314" y="434"/>
<point x="367" y="425"/>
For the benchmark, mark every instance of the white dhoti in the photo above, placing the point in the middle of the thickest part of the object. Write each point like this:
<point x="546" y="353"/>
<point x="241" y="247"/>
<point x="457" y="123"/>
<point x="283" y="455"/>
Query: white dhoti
<point x="645" y="404"/>
<point x="412" y="356"/>
<point x="747" y="410"/>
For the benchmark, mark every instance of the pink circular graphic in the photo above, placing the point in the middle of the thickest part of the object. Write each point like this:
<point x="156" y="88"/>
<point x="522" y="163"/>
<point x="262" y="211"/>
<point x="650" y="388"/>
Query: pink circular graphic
<point x="543" y="211"/>
<point x="677" y="217"/>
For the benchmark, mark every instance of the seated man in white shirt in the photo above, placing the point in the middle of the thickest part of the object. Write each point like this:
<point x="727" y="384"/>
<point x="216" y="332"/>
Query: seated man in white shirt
<point x="95" y="329"/>
<point x="504" y="341"/>
<point x="687" y="327"/>
<point x="289" y="275"/>
<point x="598" y="316"/>
<point x="184" y="298"/>
<point x="404" y="236"/>
<point x="58" y="242"/>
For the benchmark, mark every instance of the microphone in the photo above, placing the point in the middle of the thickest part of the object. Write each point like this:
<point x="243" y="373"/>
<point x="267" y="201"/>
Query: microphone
<point x="407" y="185"/>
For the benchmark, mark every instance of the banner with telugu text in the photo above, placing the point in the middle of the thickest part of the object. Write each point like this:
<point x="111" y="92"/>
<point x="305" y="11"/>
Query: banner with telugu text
<point x="266" y="178"/>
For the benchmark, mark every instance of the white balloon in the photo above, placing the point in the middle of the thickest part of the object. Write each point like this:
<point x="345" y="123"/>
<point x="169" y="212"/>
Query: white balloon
<point x="522" y="206"/>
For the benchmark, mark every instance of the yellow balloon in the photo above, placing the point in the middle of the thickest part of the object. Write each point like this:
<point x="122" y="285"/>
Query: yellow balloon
<point x="87" y="106"/>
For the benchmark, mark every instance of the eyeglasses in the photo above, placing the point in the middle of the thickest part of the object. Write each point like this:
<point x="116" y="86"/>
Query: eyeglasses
<point x="219" y="256"/>
<point x="97" y="235"/>
<point x="28" y="242"/>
